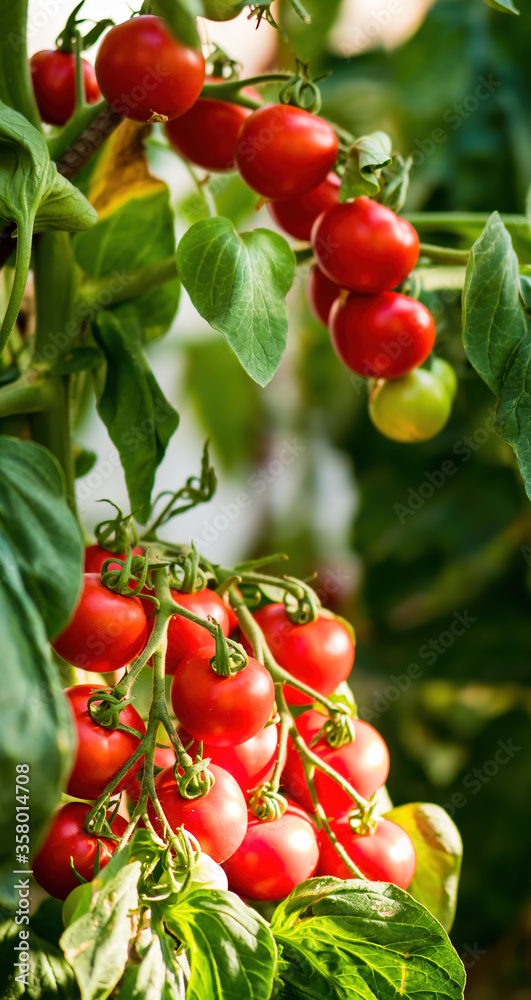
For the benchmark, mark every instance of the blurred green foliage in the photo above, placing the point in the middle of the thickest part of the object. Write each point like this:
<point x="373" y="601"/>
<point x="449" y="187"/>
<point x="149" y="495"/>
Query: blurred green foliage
<point x="441" y="532"/>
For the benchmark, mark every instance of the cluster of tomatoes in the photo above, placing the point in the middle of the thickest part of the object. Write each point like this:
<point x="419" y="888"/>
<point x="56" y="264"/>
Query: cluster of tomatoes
<point x="231" y="720"/>
<point x="362" y="249"/>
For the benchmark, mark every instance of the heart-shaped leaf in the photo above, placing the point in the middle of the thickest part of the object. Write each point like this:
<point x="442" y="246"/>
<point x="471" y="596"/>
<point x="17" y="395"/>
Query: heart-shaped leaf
<point x="366" y="158"/>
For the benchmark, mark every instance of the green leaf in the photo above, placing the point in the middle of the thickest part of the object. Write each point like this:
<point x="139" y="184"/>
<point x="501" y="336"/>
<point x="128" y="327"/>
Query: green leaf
<point x="158" y="977"/>
<point x="397" y="183"/>
<point x="79" y="359"/>
<point x="35" y="722"/>
<point x="40" y="530"/>
<point x="230" y="948"/>
<point x="439" y="852"/>
<point x="497" y="336"/>
<point x="180" y="15"/>
<point x="366" y="158"/>
<point x="138" y="417"/>
<point x="137" y="233"/>
<point x="97" y="944"/>
<point x="362" y="939"/>
<point x="49" y="976"/>
<point x="238" y="283"/>
<point x="506" y="6"/>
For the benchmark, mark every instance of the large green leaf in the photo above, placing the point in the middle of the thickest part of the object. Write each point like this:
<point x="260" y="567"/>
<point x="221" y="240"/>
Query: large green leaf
<point x="97" y="943"/>
<point x="497" y="336"/>
<point x="362" y="939"/>
<point x="230" y="949"/>
<point x="439" y="851"/>
<point x="507" y="6"/>
<point x="238" y="283"/>
<point x="138" y="417"/>
<point x="139" y="232"/>
<point x="49" y="976"/>
<point x="41" y="531"/>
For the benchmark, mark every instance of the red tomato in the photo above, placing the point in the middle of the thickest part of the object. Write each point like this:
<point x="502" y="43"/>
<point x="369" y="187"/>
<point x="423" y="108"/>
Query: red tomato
<point x="218" y="820"/>
<point x="364" y="246"/>
<point x="145" y="73"/>
<point x="320" y="653"/>
<point x="53" y="74"/>
<point x="251" y="763"/>
<point x="95" y="557"/>
<point x="67" y="839"/>
<point x="106" y="631"/>
<point x="364" y="763"/>
<point x="275" y="856"/>
<point x="283" y="152"/>
<point x="207" y="133"/>
<point x="322" y="293"/>
<point x="222" y="711"/>
<point x="381" y="336"/>
<point x="387" y="855"/>
<point x="296" y="216"/>
<point x="101" y="752"/>
<point x="185" y="637"/>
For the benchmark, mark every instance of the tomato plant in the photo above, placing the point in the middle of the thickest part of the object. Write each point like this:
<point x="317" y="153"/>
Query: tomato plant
<point x="254" y="755"/>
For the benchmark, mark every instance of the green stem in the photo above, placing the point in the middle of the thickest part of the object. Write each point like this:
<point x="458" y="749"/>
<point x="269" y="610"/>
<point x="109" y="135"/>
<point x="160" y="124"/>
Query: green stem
<point x="15" y="81"/>
<point x="445" y="255"/>
<point x="230" y="90"/>
<point x="301" y="11"/>
<point x="80" y="80"/>
<point x="283" y="734"/>
<point x="28" y="394"/>
<point x="134" y="284"/>
<point x="25" y="233"/>
<point x="460" y="221"/>
<point x="434" y="279"/>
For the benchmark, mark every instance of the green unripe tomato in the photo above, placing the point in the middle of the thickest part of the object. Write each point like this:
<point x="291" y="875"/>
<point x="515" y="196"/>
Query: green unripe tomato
<point x="446" y="374"/>
<point x="412" y="408"/>
<point x="223" y="10"/>
<point x="76" y="903"/>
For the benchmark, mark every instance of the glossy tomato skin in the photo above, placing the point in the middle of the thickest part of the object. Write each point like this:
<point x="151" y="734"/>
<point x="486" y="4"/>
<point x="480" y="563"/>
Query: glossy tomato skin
<point x="364" y="763"/>
<point x="320" y="654"/>
<point x="222" y="711"/>
<point x="145" y="73"/>
<point x="53" y="74"/>
<point x="106" y="632"/>
<point x="284" y="152"/>
<point x="207" y="133"/>
<point x="250" y="763"/>
<point x="101" y="752"/>
<point x="218" y="820"/>
<point x="275" y="856"/>
<point x="185" y="637"/>
<point x="387" y="855"/>
<point x="95" y="556"/>
<point x="381" y="336"/>
<point x="322" y="293"/>
<point x="364" y="246"/>
<point x="296" y="216"/>
<point x="67" y="838"/>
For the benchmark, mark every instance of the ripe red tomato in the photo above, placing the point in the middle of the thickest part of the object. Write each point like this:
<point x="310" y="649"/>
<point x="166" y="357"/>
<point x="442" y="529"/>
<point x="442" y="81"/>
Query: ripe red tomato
<point x="296" y="216"/>
<point x="320" y="653"/>
<point x="185" y="637"/>
<point x="283" y="152"/>
<point x="322" y="293"/>
<point x="387" y="855"/>
<point x="207" y="133"/>
<point x="53" y="74"/>
<point x="222" y="711"/>
<point x="218" y="820"/>
<point x="364" y="246"/>
<point x="145" y="73"/>
<point x="101" y="752"/>
<point x="381" y="336"/>
<point x="275" y="856"/>
<point x="106" y="631"/>
<point x="67" y="839"/>
<point x="250" y="763"/>
<point x="364" y="763"/>
<point x="95" y="557"/>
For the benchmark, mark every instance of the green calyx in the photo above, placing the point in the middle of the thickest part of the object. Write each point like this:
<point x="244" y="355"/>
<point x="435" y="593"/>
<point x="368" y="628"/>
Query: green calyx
<point x="229" y="658"/>
<point x="267" y="804"/>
